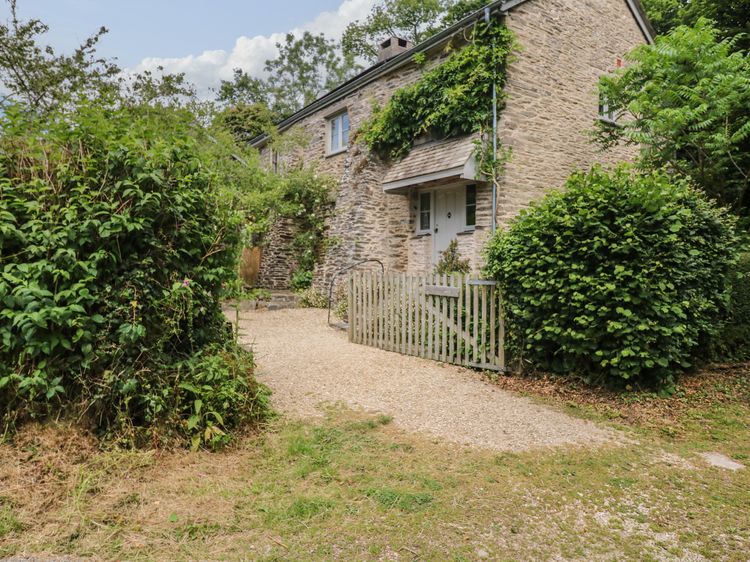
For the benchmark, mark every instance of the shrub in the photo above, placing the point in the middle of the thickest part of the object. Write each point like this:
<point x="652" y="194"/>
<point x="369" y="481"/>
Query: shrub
<point x="301" y="279"/>
<point x="114" y="246"/>
<point x="618" y="279"/>
<point x="733" y="342"/>
<point x="312" y="298"/>
<point x="212" y="391"/>
<point x="451" y="262"/>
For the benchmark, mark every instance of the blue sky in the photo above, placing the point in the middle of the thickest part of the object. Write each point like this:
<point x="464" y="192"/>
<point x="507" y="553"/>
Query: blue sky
<point x="206" y="40"/>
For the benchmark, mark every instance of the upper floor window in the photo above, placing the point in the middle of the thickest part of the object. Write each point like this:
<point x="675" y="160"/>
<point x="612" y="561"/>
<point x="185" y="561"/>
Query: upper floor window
<point x="606" y="112"/>
<point x="338" y="133"/>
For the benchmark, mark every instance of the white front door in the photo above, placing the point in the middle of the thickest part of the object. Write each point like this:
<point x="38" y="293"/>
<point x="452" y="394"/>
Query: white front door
<point x="449" y="218"/>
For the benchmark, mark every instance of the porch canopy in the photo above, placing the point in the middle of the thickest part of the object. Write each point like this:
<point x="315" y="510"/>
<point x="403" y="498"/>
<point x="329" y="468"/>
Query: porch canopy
<point x="434" y="163"/>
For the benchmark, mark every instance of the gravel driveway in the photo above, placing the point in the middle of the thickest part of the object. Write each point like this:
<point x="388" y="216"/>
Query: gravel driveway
<point x="307" y="364"/>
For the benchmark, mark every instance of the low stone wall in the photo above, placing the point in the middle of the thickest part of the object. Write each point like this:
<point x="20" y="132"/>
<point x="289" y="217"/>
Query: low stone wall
<point x="277" y="263"/>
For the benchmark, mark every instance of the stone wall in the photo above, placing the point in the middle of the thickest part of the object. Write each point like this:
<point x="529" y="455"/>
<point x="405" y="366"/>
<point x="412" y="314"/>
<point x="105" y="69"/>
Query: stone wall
<point x="552" y="92"/>
<point x="552" y="104"/>
<point x="277" y="262"/>
<point x="366" y="223"/>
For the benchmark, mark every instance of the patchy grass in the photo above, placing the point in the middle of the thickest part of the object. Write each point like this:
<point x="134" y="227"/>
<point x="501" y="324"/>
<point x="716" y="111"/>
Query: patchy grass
<point x="355" y="487"/>
<point x="9" y="524"/>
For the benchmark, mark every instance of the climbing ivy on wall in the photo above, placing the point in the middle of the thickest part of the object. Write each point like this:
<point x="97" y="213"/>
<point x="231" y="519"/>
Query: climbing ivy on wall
<point x="452" y="99"/>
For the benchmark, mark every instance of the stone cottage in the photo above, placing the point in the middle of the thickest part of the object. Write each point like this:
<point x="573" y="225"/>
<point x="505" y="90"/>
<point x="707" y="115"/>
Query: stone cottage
<point x="406" y="212"/>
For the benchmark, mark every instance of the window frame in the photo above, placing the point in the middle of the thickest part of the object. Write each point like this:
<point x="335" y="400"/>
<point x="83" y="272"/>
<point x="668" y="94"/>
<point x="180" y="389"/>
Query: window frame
<point x="470" y="227"/>
<point x="343" y="134"/>
<point x="431" y="196"/>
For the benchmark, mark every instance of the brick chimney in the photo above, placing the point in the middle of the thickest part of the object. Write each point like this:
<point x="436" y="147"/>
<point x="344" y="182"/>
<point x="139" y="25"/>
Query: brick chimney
<point x="392" y="47"/>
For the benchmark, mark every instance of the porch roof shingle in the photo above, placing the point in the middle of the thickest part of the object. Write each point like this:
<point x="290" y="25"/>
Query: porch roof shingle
<point x="431" y="161"/>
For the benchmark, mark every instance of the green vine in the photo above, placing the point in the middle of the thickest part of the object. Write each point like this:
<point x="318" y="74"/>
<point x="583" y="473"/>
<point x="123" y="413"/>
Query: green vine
<point x="449" y="100"/>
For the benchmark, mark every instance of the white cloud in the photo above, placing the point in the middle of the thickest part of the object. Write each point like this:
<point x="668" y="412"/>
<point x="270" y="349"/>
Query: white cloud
<point x="207" y="69"/>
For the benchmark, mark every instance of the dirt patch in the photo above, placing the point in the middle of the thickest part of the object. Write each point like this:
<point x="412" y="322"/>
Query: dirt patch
<point x="721" y="461"/>
<point x="308" y="364"/>
<point x="719" y="384"/>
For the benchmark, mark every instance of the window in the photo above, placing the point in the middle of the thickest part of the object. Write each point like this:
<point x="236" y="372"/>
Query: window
<point x="425" y="218"/>
<point x="338" y="133"/>
<point x="471" y="206"/>
<point x="606" y="113"/>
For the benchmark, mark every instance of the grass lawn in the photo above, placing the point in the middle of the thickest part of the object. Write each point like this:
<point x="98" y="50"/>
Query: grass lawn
<point x="355" y="487"/>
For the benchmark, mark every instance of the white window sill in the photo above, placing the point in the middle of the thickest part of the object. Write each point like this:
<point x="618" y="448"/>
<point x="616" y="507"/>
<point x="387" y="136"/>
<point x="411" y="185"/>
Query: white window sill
<point x="421" y="233"/>
<point x="336" y="153"/>
<point x="467" y="230"/>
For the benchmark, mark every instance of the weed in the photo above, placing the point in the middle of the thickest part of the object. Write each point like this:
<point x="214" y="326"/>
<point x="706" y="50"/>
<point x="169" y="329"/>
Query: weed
<point x="306" y="508"/>
<point x="8" y="521"/>
<point x="197" y="531"/>
<point x="390" y="498"/>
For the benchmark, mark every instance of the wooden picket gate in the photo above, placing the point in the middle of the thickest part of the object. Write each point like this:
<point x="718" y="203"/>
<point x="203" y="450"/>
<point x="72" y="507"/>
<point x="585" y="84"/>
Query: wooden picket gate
<point x="449" y="318"/>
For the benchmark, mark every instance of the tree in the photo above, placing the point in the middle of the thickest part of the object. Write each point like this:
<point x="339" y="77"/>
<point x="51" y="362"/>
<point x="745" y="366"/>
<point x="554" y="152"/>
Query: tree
<point x="243" y="89"/>
<point x="461" y="9"/>
<point x="42" y="78"/>
<point x="684" y="101"/>
<point x="124" y="214"/>
<point x="413" y="20"/>
<point x="730" y="17"/>
<point x="664" y="15"/>
<point x="246" y="122"/>
<point x="306" y="68"/>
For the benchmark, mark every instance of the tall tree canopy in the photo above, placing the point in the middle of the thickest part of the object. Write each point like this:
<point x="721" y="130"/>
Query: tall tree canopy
<point x="685" y="101"/>
<point x="44" y="80"/>
<point x="38" y="76"/>
<point x="243" y="89"/>
<point x="414" y="20"/>
<point x="246" y="121"/>
<point x="305" y="68"/>
<point x="731" y="17"/>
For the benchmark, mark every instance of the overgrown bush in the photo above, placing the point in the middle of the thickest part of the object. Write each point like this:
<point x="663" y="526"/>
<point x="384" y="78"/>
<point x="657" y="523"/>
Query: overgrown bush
<point x="301" y="279"/>
<point x="114" y="245"/>
<point x="733" y="342"/>
<point x="619" y="279"/>
<point x="302" y="196"/>
<point x="451" y="261"/>
<point x="312" y="298"/>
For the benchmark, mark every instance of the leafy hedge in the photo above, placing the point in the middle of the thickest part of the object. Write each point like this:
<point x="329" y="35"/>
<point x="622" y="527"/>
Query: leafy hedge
<point x="619" y="278"/>
<point x="733" y="342"/>
<point x="114" y="246"/>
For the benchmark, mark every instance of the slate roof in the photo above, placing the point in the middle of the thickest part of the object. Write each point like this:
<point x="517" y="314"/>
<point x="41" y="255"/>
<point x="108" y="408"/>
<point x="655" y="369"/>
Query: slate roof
<point x="433" y="157"/>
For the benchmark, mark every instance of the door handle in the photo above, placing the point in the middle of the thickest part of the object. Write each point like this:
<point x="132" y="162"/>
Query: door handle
<point x="436" y="229"/>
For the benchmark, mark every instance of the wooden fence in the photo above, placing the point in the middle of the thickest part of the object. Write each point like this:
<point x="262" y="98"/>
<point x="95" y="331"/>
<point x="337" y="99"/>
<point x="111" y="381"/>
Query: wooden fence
<point x="449" y="318"/>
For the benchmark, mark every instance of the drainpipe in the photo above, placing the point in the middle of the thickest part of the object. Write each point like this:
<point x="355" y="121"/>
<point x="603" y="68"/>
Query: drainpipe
<point x="494" y="126"/>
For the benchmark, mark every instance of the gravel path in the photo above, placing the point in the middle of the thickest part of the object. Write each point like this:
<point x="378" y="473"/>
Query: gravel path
<point x="308" y="364"/>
